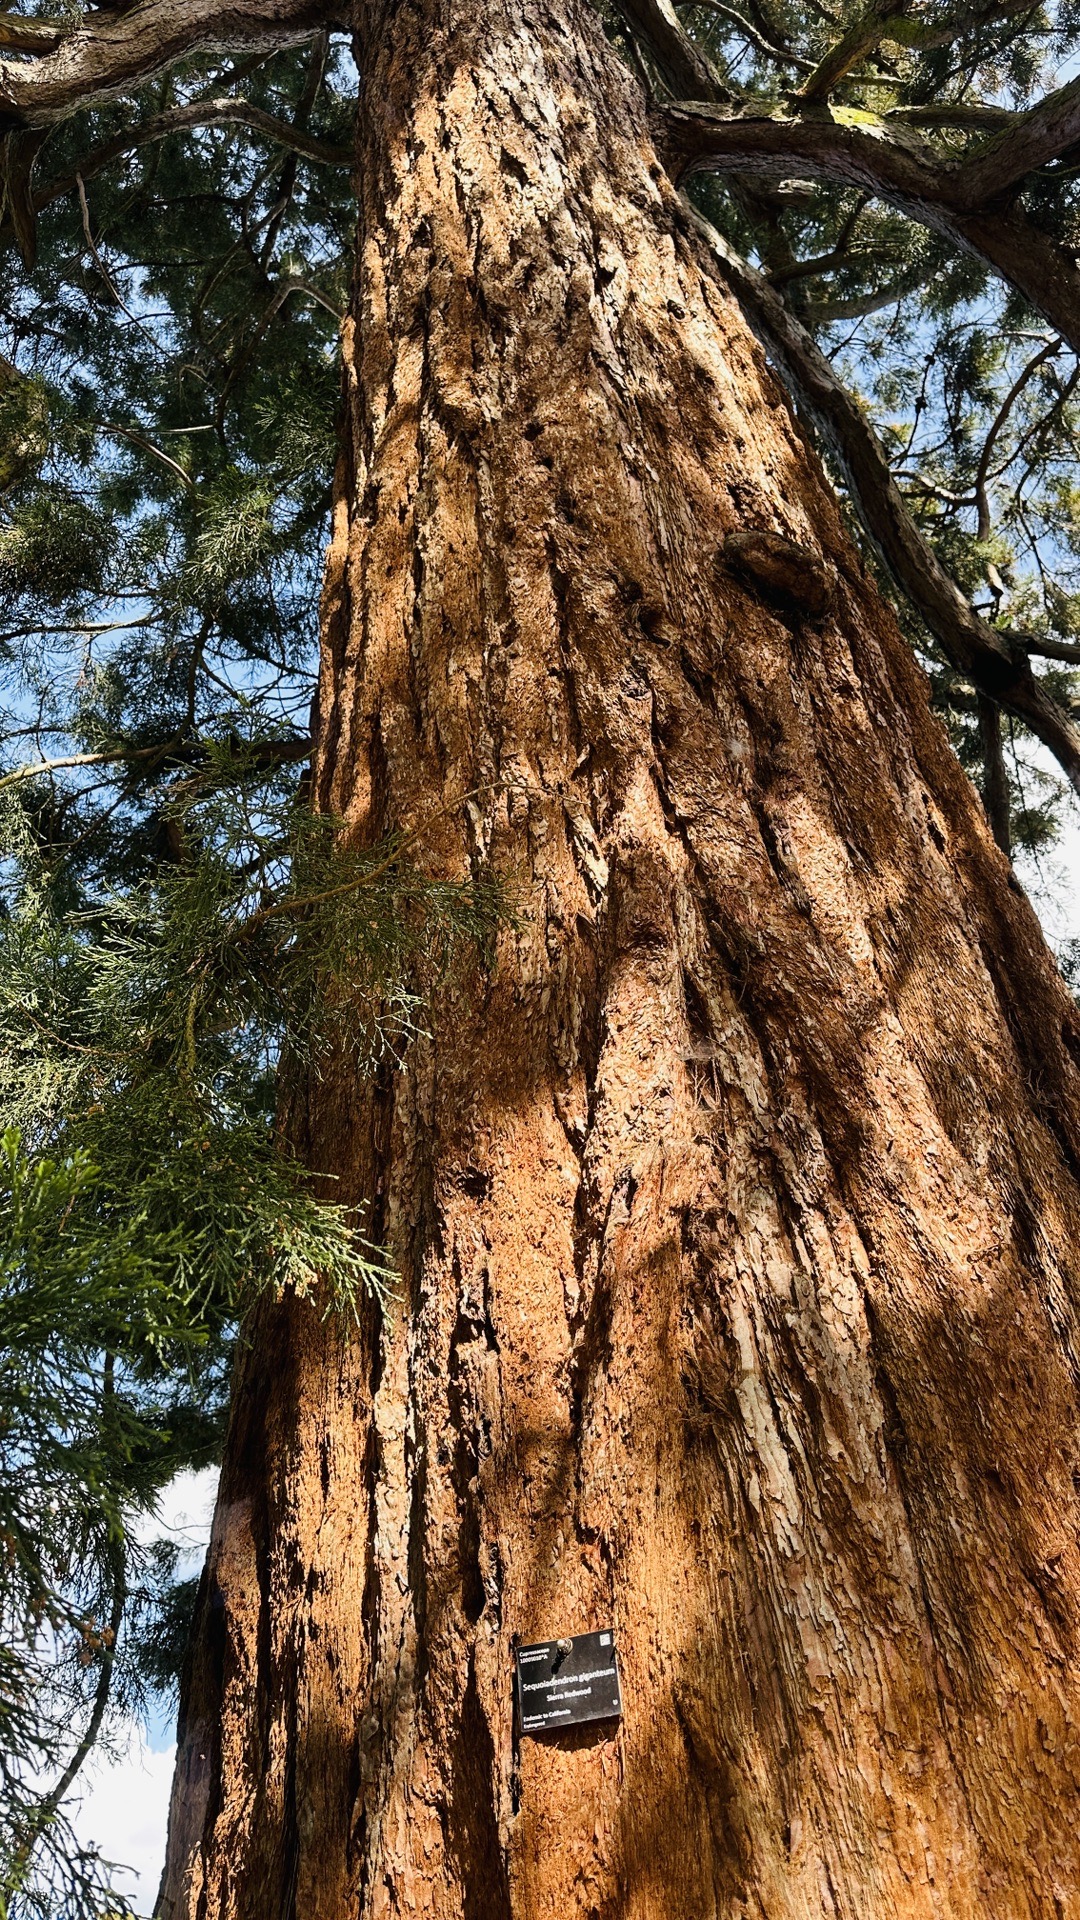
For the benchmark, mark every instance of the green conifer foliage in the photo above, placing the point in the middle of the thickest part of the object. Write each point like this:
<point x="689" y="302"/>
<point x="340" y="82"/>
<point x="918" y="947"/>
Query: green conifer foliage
<point x="174" y="919"/>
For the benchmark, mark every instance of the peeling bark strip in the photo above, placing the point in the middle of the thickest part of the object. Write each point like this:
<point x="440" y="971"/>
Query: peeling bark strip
<point x="735" y="1200"/>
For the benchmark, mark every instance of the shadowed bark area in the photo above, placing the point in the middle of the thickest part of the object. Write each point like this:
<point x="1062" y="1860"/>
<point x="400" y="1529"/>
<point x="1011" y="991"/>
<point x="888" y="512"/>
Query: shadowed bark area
<point x="734" y="1196"/>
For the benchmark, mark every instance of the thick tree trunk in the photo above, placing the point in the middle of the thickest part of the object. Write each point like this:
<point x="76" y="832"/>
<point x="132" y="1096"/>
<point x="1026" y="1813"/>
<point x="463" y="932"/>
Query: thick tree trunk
<point x="734" y="1198"/>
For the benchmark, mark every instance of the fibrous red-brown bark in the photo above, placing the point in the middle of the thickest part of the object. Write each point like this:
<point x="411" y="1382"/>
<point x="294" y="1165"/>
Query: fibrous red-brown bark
<point x="734" y="1196"/>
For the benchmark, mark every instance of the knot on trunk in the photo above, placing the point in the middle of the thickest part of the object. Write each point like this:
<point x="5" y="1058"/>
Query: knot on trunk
<point x="783" y="568"/>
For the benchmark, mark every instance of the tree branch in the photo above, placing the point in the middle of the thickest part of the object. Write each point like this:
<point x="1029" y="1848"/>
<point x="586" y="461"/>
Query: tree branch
<point x="260" y="756"/>
<point x="200" y="113"/>
<point x="1065" y="650"/>
<point x="956" y="115"/>
<point x="995" y="778"/>
<point x="856" y="149"/>
<point x="904" y="25"/>
<point x="65" y="760"/>
<point x="822" y="263"/>
<point x="996" y="664"/>
<point x="23" y="35"/>
<point x="111" y="51"/>
<point x="858" y="305"/>
<point x="680" y="63"/>
<point x="878" y="23"/>
<point x="890" y="163"/>
<point x="982" y="476"/>
<point x="782" y="55"/>
<point x="1047" y="130"/>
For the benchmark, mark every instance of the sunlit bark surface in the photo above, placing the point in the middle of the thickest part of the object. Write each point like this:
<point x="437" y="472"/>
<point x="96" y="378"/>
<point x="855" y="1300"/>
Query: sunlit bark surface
<point x="734" y="1195"/>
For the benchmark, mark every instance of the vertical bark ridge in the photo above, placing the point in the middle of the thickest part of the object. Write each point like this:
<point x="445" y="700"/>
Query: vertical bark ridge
<point x="735" y="1201"/>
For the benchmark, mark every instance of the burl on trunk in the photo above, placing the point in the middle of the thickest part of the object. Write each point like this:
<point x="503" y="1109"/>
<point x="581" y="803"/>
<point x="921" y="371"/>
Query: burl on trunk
<point x="734" y="1198"/>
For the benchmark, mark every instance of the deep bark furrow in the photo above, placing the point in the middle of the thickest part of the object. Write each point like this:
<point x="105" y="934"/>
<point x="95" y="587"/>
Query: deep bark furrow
<point x="733" y="1198"/>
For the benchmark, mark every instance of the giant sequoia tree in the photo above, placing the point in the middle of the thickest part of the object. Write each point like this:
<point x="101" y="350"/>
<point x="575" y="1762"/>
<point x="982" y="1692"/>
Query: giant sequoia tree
<point x="723" y="1135"/>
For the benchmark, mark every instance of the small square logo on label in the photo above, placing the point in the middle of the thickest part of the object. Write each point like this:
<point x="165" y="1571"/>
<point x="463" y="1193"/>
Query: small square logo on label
<point x="605" y="1639"/>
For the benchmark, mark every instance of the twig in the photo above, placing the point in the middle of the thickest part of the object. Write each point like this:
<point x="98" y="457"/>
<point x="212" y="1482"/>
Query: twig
<point x="140" y="440"/>
<point x="82" y="760"/>
<point x="104" y="271"/>
<point x="751" y="34"/>
<point x="409" y="839"/>
<point x="982" y="502"/>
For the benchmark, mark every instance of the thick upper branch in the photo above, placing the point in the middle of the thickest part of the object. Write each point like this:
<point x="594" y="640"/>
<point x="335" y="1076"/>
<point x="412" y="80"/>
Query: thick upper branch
<point x="897" y="165"/>
<point x="1047" y="130"/>
<point x="23" y="35"/>
<point x="679" y="61"/>
<point x="111" y="51"/>
<point x="894" y="165"/>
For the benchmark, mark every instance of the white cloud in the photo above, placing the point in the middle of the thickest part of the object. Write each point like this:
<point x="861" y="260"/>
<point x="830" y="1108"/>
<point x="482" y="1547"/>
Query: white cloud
<point x="123" y="1811"/>
<point x="122" y="1805"/>
<point x="184" y="1512"/>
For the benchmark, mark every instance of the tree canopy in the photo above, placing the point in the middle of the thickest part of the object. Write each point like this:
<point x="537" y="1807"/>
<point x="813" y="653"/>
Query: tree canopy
<point x="890" y="194"/>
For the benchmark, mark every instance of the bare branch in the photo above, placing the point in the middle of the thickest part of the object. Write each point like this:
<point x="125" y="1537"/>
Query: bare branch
<point x="146" y="446"/>
<point x="822" y="263"/>
<point x="997" y="664"/>
<point x="111" y="51"/>
<point x="111" y="284"/>
<point x="286" y="181"/>
<point x="1064" y="650"/>
<point x="860" y="39"/>
<point x="753" y="37"/>
<point x="858" y="305"/>
<point x="982" y="500"/>
<point x="64" y="761"/>
<point x="256" y="756"/>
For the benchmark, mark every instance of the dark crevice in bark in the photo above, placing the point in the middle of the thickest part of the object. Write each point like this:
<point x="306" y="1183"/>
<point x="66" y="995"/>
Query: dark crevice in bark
<point x="290" y="1837"/>
<point x="417" y="1572"/>
<point x="1005" y="962"/>
<point x="995" y="778"/>
<point x="731" y="1843"/>
<point x="472" y="1816"/>
<point x="592" y="1349"/>
<point x="468" y="1451"/>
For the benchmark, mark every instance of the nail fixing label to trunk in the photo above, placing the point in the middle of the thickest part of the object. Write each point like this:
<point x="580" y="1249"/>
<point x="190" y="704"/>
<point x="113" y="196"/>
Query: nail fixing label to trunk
<point x="564" y="1683"/>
